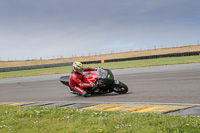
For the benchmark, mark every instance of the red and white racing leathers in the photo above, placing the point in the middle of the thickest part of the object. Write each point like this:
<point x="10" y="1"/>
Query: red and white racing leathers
<point x="76" y="80"/>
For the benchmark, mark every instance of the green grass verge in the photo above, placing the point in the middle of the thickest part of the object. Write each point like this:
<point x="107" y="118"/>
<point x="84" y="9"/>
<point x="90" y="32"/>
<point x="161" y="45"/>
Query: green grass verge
<point x="114" y="65"/>
<point x="70" y="120"/>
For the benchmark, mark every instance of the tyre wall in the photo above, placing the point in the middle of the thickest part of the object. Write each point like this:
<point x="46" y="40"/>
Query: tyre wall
<point x="7" y="69"/>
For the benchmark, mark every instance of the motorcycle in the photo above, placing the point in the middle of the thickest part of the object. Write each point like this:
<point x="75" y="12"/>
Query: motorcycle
<point x="104" y="82"/>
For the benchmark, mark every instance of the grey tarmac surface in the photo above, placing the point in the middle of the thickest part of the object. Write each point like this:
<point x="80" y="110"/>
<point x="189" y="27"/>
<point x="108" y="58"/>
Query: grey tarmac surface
<point x="173" y="84"/>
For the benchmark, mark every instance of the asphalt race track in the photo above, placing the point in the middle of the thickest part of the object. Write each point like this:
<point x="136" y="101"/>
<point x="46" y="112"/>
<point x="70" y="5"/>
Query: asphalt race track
<point x="160" y="84"/>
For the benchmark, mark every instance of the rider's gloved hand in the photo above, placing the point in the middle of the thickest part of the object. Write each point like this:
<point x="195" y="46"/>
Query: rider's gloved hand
<point x="93" y="85"/>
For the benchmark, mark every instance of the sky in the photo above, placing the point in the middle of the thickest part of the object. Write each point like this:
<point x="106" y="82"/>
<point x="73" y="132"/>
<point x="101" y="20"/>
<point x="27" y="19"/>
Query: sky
<point x="47" y="29"/>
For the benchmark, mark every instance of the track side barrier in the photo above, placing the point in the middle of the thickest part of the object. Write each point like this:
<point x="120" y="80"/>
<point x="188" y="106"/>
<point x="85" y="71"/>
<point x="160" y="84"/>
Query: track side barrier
<point x="7" y="69"/>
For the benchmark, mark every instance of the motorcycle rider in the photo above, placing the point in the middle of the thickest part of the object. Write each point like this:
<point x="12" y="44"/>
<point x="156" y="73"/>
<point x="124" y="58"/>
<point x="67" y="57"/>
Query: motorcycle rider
<point x="76" y="83"/>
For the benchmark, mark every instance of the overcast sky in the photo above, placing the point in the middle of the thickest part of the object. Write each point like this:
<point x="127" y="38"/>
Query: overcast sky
<point x="30" y="29"/>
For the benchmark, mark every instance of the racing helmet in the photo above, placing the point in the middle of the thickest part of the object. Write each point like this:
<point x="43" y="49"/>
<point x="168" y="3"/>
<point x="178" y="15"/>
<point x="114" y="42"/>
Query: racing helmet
<point x="77" y="67"/>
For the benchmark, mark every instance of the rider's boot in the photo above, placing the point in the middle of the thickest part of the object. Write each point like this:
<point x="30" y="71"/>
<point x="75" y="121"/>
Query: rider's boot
<point x="73" y="92"/>
<point x="85" y="94"/>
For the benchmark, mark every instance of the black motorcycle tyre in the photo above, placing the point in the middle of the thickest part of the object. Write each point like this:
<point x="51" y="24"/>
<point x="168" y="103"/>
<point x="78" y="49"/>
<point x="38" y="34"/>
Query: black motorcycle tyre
<point x="121" y="88"/>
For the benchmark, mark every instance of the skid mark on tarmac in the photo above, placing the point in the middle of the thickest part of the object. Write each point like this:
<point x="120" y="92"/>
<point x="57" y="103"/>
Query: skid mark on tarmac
<point x="124" y="107"/>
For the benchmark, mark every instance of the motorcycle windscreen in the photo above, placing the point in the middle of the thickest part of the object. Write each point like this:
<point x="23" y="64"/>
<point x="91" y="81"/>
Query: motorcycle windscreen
<point x="103" y="74"/>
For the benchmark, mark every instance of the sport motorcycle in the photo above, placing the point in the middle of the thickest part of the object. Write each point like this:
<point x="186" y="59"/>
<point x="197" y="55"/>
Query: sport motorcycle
<point x="104" y="82"/>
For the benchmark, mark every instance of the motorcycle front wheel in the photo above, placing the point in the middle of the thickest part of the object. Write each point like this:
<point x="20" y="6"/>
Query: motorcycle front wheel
<point x="121" y="88"/>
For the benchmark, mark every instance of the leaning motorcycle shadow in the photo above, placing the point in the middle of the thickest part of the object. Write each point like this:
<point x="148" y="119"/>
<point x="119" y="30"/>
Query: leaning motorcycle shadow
<point x="109" y="95"/>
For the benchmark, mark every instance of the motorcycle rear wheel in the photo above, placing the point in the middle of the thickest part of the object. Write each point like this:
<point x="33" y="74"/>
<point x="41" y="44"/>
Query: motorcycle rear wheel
<point x="121" y="88"/>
